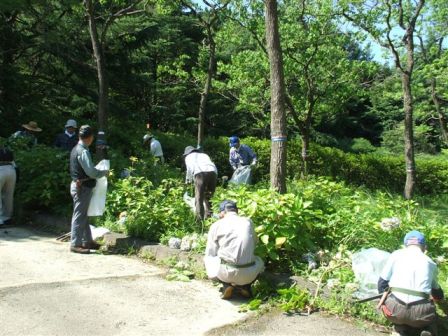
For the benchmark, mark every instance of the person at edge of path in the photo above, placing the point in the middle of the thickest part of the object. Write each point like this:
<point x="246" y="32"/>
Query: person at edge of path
<point x="84" y="175"/>
<point x="7" y="185"/>
<point x="229" y="255"/>
<point x="410" y="277"/>
<point x="68" y="139"/>
<point x="28" y="132"/>
<point x="202" y="171"/>
<point x="155" y="147"/>
<point x="240" y="155"/>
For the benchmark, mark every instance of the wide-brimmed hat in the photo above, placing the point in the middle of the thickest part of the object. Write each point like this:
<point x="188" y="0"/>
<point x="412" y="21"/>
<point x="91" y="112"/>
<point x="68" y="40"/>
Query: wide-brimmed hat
<point x="189" y="149"/>
<point x="71" y="123"/>
<point x="32" y="126"/>
<point x="147" y="137"/>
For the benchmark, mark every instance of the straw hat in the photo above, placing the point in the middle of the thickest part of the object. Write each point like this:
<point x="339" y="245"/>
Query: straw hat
<point x="32" y="126"/>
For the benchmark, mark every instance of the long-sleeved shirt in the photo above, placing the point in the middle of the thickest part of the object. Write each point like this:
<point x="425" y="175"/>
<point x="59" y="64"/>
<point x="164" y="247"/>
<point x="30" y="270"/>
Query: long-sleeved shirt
<point x="243" y="156"/>
<point x="84" y="158"/>
<point x="66" y="141"/>
<point x="156" y="148"/>
<point x="410" y="268"/>
<point x="198" y="163"/>
<point x="32" y="140"/>
<point x="232" y="239"/>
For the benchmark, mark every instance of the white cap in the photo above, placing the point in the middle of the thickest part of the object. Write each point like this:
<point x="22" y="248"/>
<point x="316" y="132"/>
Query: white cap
<point x="71" y="123"/>
<point x="147" y="137"/>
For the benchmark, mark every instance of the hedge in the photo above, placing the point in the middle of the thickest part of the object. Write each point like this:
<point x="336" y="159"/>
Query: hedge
<point x="372" y="170"/>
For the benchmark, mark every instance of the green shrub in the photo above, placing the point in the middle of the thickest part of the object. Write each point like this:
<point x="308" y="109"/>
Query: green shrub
<point x="44" y="181"/>
<point x="373" y="170"/>
<point x="151" y="211"/>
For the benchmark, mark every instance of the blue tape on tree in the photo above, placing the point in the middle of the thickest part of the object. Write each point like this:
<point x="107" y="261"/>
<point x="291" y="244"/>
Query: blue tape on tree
<point x="279" y="139"/>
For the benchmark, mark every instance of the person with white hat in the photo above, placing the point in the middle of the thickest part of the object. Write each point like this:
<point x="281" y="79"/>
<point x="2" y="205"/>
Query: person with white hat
<point x="68" y="139"/>
<point x="154" y="146"/>
<point x="28" y="132"/>
<point x="203" y="173"/>
<point x="410" y="287"/>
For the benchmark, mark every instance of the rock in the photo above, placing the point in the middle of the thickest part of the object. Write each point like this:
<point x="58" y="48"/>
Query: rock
<point x="174" y="243"/>
<point x="186" y="243"/>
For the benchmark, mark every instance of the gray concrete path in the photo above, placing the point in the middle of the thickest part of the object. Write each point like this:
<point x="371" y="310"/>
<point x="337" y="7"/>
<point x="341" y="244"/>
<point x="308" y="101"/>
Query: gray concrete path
<point x="46" y="290"/>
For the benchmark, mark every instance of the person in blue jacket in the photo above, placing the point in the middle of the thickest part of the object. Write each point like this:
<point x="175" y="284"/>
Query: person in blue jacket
<point x="240" y="155"/>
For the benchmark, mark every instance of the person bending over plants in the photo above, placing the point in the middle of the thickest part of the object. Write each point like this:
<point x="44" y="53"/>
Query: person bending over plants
<point x="409" y="283"/>
<point x="229" y="255"/>
<point x="202" y="171"/>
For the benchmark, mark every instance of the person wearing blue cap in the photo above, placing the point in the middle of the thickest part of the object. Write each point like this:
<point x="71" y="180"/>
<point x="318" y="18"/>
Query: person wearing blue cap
<point x="240" y="155"/>
<point x="230" y="253"/>
<point x="409" y="281"/>
<point x="84" y="175"/>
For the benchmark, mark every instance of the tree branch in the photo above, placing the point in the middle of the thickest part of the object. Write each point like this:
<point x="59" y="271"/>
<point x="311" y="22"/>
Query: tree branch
<point x="122" y="12"/>
<point x="389" y="40"/>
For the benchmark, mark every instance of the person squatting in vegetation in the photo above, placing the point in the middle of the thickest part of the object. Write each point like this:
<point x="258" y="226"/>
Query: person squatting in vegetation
<point x="155" y="147"/>
<point x="84" y="175"/>
<point x="229" y="255"/>
<point x="28" y="132"/>
<point x="7" y="185"/>
<point x="202" y="171"/>
<point x="240" y="155"/>
<point x="410" y="279"/>
<point x="68" y="139"/>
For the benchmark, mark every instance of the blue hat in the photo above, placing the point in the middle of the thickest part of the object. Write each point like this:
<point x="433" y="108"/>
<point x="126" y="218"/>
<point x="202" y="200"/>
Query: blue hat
<point x="414" y="238"/>
<point x="233" y="140"/>
<point x="228" y="206"/>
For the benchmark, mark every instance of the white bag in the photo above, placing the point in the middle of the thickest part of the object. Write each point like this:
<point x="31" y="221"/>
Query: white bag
<point x="190" y="201"/>
<point x="367" y="265"/>
<point x="98" y="232"/>
<point x="98" y="201"/>
<point x="241" y="175"/>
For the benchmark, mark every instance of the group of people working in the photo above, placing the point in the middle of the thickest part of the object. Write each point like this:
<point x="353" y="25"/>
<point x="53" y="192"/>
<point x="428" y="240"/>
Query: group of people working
<point x="408" y="280"/>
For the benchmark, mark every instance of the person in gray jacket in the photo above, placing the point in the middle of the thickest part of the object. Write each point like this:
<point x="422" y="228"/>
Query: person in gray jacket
<point x="84" y="175"/>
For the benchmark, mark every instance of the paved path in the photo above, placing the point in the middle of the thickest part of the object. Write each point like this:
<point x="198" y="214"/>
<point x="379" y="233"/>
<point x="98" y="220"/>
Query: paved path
<point x="46" y="290"/>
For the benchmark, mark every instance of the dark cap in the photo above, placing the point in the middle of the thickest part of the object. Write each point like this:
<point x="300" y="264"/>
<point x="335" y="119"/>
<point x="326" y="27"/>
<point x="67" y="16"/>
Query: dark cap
<point x="85" y="131"/>
<point x="228" y="206"/>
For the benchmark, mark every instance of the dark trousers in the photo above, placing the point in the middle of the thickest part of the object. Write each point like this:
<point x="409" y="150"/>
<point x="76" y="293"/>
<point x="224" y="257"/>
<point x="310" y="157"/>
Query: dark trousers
<point x="81" y="234"/>
<point x="205" y="185"/>
<point x="410" y="319"/>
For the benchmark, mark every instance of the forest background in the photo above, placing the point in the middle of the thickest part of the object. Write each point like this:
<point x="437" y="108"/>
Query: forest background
<point x="199" y="71"/>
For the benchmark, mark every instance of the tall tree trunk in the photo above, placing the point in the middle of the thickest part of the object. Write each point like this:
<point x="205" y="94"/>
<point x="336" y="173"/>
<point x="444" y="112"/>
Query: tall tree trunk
<point x="103" y="87"/>
<point x="441" y="116"/>
<point x="278" y="118"/>
<point x="406" y="78"/>
<point x="408" y="136"/>
<point x="207" y="88"/>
